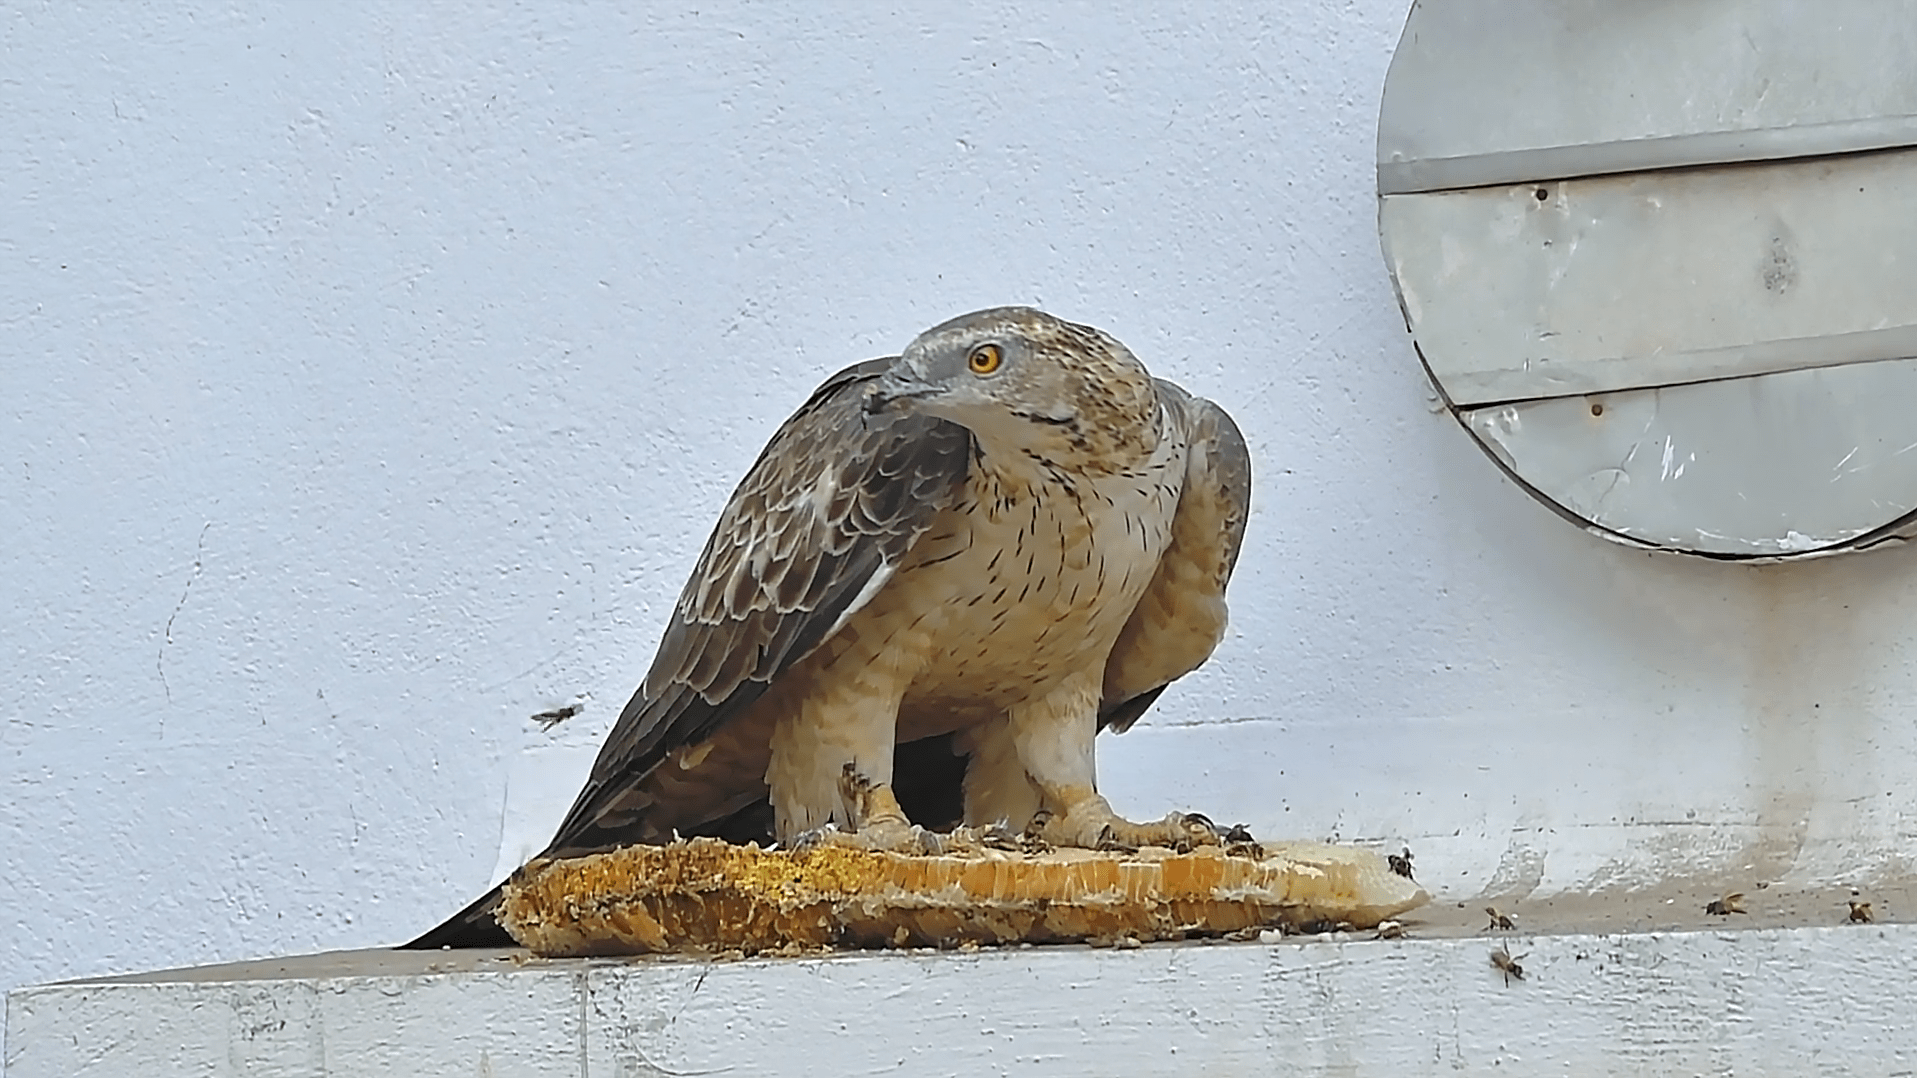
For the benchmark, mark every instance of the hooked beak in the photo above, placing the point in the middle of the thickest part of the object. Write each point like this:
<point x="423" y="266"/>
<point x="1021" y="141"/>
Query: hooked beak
<point x="894" y="386"/>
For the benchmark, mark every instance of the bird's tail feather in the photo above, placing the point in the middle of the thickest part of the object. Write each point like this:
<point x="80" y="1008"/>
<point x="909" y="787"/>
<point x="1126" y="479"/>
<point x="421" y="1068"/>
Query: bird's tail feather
<point x="475" y="926"/>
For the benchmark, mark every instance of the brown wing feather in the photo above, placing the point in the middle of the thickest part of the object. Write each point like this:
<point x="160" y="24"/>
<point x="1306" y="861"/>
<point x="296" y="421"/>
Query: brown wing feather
<point x="1181" y="617"/>
<point x="836" y="497"/>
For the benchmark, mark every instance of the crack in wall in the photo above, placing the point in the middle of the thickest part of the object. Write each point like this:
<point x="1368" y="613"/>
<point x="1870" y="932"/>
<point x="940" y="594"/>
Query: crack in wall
<point x="159" y="660"/>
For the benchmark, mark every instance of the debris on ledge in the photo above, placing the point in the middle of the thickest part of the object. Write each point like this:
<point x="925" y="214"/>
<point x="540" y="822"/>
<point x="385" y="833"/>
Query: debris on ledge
<point x="705" y="895"/>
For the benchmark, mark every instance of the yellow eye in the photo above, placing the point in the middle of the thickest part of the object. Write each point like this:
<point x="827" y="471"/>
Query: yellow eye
<point x="985" y="359"/>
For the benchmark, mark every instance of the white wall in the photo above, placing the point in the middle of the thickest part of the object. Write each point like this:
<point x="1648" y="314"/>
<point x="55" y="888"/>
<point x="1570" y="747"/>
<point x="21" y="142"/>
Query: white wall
<point x="372" y="375"/>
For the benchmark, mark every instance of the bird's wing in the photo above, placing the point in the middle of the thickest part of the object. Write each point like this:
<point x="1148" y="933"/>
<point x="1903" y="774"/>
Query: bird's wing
<point x="1181" y="616"/>
<point x="810" y="535"/>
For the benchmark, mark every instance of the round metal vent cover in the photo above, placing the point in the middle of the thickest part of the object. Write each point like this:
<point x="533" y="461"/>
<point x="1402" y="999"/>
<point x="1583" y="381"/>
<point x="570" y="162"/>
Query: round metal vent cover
<point x="1661" y="259"/>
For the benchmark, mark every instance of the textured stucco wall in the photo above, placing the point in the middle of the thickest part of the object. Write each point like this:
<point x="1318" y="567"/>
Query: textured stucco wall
<point x="372" y="375"/>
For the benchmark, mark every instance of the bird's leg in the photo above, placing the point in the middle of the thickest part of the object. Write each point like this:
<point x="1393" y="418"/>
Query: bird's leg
<point x="875" y="822"/>
<point x="873" y="814"/>
<point x="879" y="824"/>
<point x="998" y="792"/>
<point x="1053" y="737"/>
<point x="832" y="765"/>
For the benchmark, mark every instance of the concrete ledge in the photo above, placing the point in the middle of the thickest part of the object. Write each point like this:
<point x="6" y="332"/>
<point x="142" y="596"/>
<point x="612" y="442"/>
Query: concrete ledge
<point x="1827" y="1001"/>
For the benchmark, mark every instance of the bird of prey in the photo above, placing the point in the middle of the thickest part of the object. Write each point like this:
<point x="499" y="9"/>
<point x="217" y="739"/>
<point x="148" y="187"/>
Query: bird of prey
<point x="944" y="575"/>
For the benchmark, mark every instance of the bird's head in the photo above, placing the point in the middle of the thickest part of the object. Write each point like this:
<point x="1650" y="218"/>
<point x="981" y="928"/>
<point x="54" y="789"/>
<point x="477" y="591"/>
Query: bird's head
<point x="1029" y="385"/>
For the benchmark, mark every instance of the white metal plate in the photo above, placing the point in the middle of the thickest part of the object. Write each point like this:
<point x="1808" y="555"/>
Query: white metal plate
<point x="1761" y="467"/>
<point x="1658" y="278"/>
<point x="1499" y="91"/>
